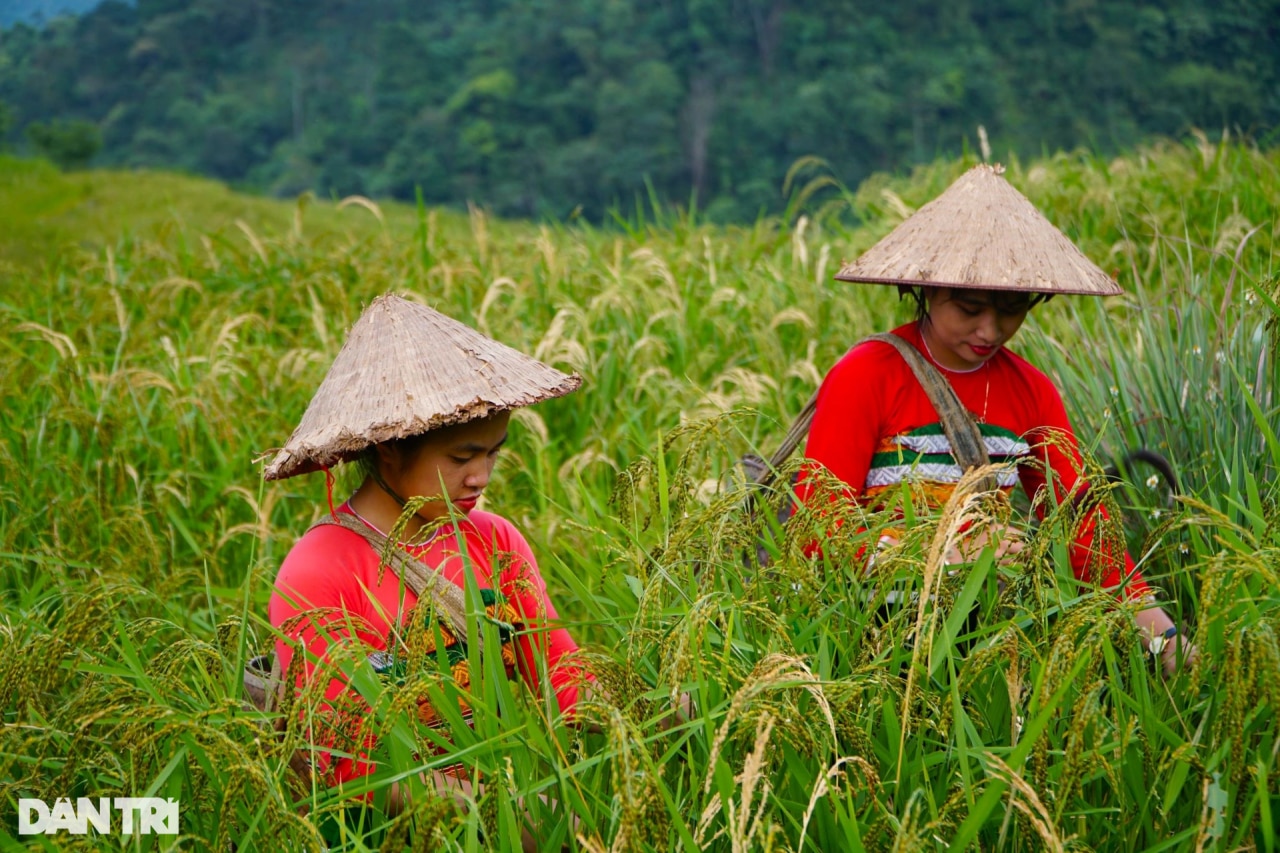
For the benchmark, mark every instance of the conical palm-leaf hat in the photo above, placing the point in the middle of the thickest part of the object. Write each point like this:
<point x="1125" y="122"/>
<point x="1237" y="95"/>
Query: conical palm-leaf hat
<point x="406" y="369"/>
<point x="980" y="233"/>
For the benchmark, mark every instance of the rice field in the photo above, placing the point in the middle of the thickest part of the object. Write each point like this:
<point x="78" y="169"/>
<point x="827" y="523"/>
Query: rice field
<point x="160" y="334"/>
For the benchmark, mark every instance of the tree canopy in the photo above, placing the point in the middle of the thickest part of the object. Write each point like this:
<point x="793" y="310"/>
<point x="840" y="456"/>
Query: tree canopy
<point x="545" y="107"/>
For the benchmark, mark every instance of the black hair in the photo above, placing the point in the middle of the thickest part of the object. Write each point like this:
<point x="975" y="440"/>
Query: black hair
<point x="917" y="295"/>
<point x="406" y="448"/>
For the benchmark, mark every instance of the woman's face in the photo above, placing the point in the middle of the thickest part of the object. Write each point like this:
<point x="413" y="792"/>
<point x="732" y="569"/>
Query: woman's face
<point x="965" y="328"/>
<point x="451" y="461"/>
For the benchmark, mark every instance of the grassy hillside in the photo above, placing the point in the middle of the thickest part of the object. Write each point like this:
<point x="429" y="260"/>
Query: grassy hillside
<point x="155" y="347"/>
<point x="49" y="215"/>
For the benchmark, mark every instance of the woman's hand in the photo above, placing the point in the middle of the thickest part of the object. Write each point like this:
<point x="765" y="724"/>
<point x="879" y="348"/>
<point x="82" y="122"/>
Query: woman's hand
<point x="679" y="714"/>
<point x="1155" y="626"/>
<point x="1179" y="650"/>
<point x="1006" y="540"/>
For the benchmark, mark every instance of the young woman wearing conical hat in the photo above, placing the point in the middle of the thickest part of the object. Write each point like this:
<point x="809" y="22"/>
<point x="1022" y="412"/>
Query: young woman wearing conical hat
<point x="977" y="258"/>
<point x="423" y="403"/>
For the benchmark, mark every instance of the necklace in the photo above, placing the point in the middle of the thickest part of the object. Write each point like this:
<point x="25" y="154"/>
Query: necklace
<point x="986" y="394"/>
<point x="351" y="507"/>
<point x="924" y="340"/>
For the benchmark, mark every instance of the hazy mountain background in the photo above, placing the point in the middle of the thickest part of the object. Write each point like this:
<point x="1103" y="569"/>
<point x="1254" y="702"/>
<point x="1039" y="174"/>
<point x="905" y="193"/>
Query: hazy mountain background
<point x="550" y="107"/>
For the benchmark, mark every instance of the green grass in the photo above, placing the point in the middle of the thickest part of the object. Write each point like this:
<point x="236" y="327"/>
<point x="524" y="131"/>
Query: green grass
<point x="153" y="349"/>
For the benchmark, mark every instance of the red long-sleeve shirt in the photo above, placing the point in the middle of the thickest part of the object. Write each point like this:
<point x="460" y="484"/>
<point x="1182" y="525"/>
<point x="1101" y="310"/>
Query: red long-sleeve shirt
<point x="335" y="570"/>
<point x="874" y="427"/>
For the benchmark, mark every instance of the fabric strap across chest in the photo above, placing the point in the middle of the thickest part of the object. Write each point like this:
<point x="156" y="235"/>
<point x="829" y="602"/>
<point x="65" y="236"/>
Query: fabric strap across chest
<point x="962" y="432"/>
<point x="447" y="598"/>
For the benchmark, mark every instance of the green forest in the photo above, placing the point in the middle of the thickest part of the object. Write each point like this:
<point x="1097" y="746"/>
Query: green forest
<point x="563" y="108"/>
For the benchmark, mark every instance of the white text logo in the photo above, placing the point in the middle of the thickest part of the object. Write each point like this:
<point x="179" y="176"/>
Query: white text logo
<point x="138" y="816"/>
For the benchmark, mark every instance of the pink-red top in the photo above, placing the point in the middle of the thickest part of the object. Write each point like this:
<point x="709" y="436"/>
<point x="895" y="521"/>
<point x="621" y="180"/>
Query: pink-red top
<point x="333" y="569"/>
<point x="875" y="428"/>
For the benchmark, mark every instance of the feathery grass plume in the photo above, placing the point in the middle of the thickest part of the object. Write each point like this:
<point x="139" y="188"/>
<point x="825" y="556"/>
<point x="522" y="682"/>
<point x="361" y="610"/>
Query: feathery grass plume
<point x="999" y="657"/>
<point x="912" y="831"/>
<point x="1239" y="699"/>
<point x="640" y="818"/>
<point x="624" y="498"/>
<point x="758" y="697"/>
<point x="1076" y="659"/>
<point x="741" y="824"/>
<point x="685" y="652"/>
<point x="672" y="486"/>
<point x="854" y="708"/>
<point x="1082" y="755"/>
<point x="1025" y="799"/>
<point x="823" y="786"/>
<point x="313" y="724"/>
<point x="830" y="517"/>
<point x="619" y="687"/>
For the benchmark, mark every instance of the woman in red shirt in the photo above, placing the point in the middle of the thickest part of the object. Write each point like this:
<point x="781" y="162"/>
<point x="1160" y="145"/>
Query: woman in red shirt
<point x="977" y="259"/>
<point x="423" y="403"/>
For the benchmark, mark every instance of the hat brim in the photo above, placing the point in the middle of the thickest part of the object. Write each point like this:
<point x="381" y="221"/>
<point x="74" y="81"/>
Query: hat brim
<point x="906" y="282"/>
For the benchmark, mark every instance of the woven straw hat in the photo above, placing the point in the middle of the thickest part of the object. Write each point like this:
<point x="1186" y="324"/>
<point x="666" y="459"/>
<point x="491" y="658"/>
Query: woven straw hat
<point x="980" y="233"/>
<point x="406" y="369"/>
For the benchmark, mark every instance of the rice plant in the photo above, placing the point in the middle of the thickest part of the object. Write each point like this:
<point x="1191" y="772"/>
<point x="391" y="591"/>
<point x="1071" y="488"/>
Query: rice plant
<point x="1004" y="707"/>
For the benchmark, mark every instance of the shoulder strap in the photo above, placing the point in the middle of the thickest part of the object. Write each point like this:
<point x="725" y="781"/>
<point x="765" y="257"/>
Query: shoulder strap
<point x="448" y="598"/>
<point x="962" y="433"/>
<point x="263" y="679"/>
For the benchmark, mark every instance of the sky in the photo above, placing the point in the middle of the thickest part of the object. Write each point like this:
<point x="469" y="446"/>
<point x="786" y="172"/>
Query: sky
<point x="38" y="11"/>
